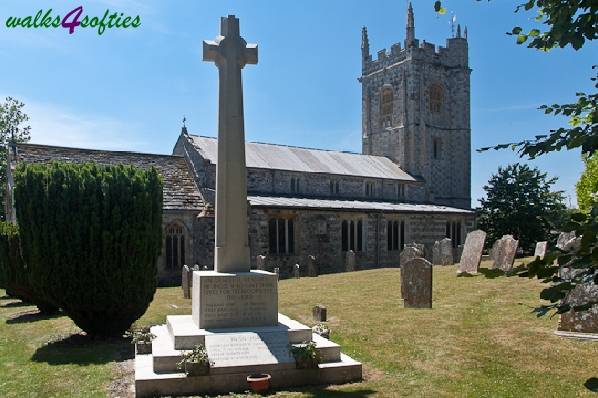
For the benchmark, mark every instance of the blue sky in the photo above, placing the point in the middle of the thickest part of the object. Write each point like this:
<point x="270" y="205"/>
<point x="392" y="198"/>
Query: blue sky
<point x="129" y="89"/>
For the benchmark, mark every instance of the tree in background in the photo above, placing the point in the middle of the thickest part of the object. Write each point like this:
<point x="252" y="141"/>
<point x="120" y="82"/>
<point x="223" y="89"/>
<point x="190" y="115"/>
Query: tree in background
<point x="587" y="186"/>
<point x="12" y="119"/>
<point x="520" y="201"/>
<point x="90" y="238"/>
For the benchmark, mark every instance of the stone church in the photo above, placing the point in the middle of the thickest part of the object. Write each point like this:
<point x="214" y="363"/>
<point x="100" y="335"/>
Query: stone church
<point x="410" y="184"/>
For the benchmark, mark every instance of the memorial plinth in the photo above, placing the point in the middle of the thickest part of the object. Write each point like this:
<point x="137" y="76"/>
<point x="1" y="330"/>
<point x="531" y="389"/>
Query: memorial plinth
<point x="222" y="300"/>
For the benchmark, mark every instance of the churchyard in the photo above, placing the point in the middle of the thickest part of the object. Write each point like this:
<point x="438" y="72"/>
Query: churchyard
<point x="479" y="339"/>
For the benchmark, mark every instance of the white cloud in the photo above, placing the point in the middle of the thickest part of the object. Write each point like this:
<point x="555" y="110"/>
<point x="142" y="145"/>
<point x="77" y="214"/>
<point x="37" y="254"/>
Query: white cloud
<point x="55" y="125"/>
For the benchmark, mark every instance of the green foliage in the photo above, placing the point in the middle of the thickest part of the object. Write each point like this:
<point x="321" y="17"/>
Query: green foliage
<point x="14" y="275"/>
<point x="195" y="362"/>
<point x="11" y="119"/>
<point x="141" y="335"/>
<point x="306" y="355"/>
<point x="587" y="186"/>
<point x="91" y="236"/>
<point x="519" y="201"/>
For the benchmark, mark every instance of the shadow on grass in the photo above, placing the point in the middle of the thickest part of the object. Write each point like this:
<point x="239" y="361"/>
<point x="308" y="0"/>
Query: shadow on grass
<point x="32" y="316"/>
<point x="80" y="349"/>
<point x="491" y="273"/>
<point x="592" y="384"/>
<point x="323" y="392"/>
<point x="6" y="297"/>
<point x="466" y="275"/>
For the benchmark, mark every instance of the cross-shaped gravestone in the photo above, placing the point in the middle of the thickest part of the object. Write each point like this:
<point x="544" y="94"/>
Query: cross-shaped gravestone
<point x="230" y="52"/>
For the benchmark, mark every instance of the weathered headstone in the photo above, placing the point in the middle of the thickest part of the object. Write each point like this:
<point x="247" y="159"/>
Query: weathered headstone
<point x="494" y="252"/>
<point x="583" y="293"/>
<point x="277" y="272"/>
<point x="416" y="283"/>
<point x="186" y="277"/>
<point x="319" y="313"/>
<point x="565" y="239"/>
<point x="418" y="246"/>
<point x="409" y="253"/>
<point x="260" y="262"/>
<point x="350" y="261"/>
<point x="312" y="266"/>
<point x="297" y="271"/>
<point x="472" y="252"/>
<point x="541" y="249"/>
<point x="506" y="253"/>
<point x="442" y="252"/>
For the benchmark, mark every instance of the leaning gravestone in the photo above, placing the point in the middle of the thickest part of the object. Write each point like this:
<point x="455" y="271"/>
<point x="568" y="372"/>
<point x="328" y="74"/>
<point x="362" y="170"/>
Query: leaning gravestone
<point x="350" y="261"/>
<point x="506" y="253"/>
<point x="541" y="249"/>
<point x="494" y="252"/>
<point x="312" y="266"/>
<point x="416" y="283"/>
<point x="444" y="252"/>
<point x="579" y="321"/>
<point x="260" y="262"/>
<point x="410" y="253"/>
<point x="564" y="240"/>
<point x="186" y="276"/>
<point x="472" y="252"/>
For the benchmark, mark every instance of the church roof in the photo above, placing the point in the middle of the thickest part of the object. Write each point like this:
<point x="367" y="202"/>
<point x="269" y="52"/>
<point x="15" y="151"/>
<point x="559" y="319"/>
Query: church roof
<point x="180" y="191"/>
<point x="351" y="205"/>
<point x="291" y="158"/>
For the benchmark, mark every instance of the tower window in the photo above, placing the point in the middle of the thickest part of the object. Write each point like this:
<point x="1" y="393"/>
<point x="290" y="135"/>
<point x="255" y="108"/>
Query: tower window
<point x="386" y="104"/>
<point x="436" y="147"/>
<point x="435" y="98"/>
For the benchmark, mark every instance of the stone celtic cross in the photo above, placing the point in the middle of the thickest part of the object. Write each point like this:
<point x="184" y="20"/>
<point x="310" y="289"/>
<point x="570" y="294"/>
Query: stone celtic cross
<point x="230" y="52"/>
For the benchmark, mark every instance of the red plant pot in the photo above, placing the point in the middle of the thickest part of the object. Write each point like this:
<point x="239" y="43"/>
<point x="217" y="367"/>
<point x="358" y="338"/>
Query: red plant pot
<point x="259" y="383"/>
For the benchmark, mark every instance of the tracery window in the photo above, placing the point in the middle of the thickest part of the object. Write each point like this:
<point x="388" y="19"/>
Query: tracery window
<point x="436" y="94"/>
<point x="175" y="247"/>
<point x="386" y="105"/>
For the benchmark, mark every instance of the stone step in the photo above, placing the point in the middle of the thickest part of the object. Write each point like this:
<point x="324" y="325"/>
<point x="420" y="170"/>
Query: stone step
<point x="329" y="351"/>
<point x="186" y="335"/>
<point x="148" y="383"/>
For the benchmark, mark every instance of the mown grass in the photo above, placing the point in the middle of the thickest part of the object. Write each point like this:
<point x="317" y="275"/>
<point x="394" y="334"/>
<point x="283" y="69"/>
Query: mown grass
<point x="480" y="339"/>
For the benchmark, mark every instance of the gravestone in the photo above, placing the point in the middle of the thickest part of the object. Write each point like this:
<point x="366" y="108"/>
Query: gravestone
<point x="458" y="253"/>
<point x="541" y="249"/>
<point x="186" y="276"/>
<point x="350" y="261"/>
<point x="494" y="252"/>
<point x="312" y="266"/>
<point x="442" y="252"/>
<point x="297" y="271"/>
<point x="565" y="239"/>
<point x="506" y="253"/>
<point x="319" y="313"/>
<point x="472" y="252"/>
<point x="260" y="262"/>
<point x="418" y="246"/>
<point x="410" y="253"/>
<point x="416" y="283"/>
<point x="580" y="321"/>
<point x="277" y="272"/>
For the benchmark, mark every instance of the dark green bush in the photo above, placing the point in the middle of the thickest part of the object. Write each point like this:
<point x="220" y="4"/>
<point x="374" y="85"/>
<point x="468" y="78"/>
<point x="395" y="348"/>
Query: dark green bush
<point x="14" y="275"/>
<point x="91" y="236"/>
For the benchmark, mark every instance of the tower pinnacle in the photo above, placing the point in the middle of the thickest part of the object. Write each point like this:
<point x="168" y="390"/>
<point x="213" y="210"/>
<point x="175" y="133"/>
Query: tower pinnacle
<point x="365" y="45"/>
<point x="458" y="31"/>
<point x="410" y="31"/>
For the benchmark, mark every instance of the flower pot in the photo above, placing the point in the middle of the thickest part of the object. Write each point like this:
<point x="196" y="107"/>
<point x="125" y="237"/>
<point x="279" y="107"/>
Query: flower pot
<point x="143" y="348"/>
<point x="259" y="383"/>
<point x="196" y="369"/>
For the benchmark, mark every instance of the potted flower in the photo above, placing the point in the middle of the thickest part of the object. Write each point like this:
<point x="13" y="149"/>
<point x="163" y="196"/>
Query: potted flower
<point x="195" y="362"/>
<point x="142" y="338"/>
<point x="306" y="355"/>
<point x="259" y="383"/>
<point x="322" y="329"/>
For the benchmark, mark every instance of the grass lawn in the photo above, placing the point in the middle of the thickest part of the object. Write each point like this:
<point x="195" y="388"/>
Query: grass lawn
<point x="479" y="340"/>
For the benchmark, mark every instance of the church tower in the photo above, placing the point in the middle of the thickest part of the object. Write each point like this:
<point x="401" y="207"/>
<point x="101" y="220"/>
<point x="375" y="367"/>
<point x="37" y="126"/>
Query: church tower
<point x="416" y="111"/>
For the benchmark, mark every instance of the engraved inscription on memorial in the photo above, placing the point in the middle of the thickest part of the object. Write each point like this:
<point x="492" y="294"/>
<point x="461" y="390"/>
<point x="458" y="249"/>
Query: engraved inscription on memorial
<point x="238" y="300"/>
<point x="242" y="349"/>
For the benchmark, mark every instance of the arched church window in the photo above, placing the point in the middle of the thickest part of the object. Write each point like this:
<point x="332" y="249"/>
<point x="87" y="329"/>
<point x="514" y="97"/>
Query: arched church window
<point x="386" y="104"/>
<point x="436" y="94"/>
<point x="175" y="247"/>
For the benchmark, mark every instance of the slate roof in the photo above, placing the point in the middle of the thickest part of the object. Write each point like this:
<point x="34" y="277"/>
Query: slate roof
<point x="180" y="190"/>
<point x="283" y="157"/>
<point x="331" y="204"/>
